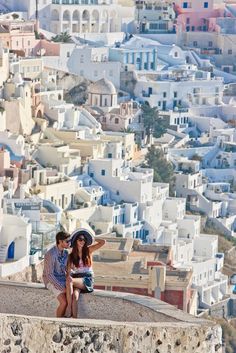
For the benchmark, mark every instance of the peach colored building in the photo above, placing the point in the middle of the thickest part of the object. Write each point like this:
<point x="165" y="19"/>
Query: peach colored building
<point x="18" y="35"/>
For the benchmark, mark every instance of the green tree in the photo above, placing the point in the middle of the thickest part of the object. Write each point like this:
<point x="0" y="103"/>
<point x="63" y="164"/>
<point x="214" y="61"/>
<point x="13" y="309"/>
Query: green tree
<point x="153" y="123"/>
<point x="127" y="130"/>
<point x="150" y="115"/>
<point x="63" y="37"/>
<point x="163" y="170"/>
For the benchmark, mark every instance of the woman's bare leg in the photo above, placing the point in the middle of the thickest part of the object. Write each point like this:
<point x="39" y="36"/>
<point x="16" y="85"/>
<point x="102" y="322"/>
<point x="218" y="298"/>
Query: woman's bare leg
<point x="75" y="301"/>
<point x="78" y="283"/>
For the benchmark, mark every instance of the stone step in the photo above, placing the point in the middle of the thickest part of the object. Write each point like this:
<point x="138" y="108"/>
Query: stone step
<point x="3" y="253"/>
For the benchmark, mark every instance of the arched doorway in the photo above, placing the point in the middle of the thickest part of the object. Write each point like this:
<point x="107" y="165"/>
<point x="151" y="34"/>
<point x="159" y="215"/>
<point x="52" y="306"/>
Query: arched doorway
<point x="11" y="251"/>
<point x="39" y="114"/>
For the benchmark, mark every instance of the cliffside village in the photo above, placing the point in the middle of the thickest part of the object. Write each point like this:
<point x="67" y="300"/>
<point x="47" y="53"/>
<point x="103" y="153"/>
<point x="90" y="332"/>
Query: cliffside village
<point x="74" y="139"/>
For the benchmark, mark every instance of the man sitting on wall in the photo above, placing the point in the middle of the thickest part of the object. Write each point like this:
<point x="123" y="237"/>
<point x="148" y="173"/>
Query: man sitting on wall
<point x="54" y="272"/>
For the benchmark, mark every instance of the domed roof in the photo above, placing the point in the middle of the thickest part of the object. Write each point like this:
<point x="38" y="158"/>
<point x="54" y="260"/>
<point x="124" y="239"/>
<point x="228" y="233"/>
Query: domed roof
<point x="102" y="86"/>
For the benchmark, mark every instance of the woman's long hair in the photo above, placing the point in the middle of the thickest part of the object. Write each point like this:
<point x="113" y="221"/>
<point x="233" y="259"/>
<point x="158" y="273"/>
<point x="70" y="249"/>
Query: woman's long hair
<point x="86" y="257"/>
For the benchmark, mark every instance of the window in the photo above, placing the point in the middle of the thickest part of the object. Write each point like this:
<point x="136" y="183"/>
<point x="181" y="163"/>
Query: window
<point x="230" y="51"/>
<point x="28" y="42"/>
<point x="185" y="5"/>
<point x="210" y="44"/>
<point x="164" y="94"/>
<point x="205" y="5"/>
<point x="175" y="94"/>
<point x="68" y="54"/>
<point x="82" y="59"/>
<point x="116" y="121"/>
<point x="103" y="172"/>
<point x="195" y="43"/>
<point x="176" y="54"/>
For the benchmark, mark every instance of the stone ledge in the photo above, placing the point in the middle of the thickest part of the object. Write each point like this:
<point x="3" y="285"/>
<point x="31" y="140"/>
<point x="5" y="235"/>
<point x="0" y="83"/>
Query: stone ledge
<point x="41" y="335"/>
<point x="161" y="327"/>
<point x="34" y="300"/>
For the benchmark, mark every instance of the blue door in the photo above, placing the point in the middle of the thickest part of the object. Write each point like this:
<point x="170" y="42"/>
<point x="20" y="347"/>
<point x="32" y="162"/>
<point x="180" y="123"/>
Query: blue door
<point x="11" y="251"/>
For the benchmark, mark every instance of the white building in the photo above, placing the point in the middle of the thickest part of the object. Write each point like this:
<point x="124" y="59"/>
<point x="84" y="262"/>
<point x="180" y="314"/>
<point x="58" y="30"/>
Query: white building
<point x="55" y="187"/>
<point x="76" y="17"/>
<point x="179" y="87"/>
<point x="60" y="156"/>
<point x="155" y="16"/>
<point x="17" y="102"/>
<point x="15" y="234"/>
<point x="93" y="64"/>
<point x="123" y="184"/>
<point x="4" y="65"/>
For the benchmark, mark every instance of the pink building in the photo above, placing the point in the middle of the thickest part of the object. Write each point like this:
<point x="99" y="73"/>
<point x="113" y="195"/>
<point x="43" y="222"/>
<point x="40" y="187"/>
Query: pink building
<point x="193" y="6"/>
<point x="198" y="16"/>
<point x="19" y="36"/>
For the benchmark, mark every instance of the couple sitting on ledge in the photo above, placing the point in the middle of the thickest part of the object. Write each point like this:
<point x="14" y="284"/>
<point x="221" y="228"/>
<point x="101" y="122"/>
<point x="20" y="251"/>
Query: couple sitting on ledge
<point x="66" y="274"/>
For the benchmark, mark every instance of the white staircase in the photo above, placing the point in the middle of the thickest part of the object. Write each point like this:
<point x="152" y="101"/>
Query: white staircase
<point x="3" y="253"/>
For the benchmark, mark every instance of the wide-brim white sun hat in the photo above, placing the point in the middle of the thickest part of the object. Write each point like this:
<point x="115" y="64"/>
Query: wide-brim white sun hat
<point x="82" y="231"/>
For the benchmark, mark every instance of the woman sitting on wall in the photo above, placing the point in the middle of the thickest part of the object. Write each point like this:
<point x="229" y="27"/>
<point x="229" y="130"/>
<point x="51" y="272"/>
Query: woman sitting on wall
<point x="79" y="268"/>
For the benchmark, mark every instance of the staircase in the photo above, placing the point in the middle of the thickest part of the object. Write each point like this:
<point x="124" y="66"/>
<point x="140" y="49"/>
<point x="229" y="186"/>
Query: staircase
<point x="231" y="9"/>
<point x="3" y="253"/>
<point x="210" y="156"/>
<point x="195" y="58"/>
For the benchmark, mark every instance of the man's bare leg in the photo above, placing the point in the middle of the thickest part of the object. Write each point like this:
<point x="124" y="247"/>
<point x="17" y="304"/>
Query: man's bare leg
<point x="69" y="294"/>
<point x="60" y="312"/>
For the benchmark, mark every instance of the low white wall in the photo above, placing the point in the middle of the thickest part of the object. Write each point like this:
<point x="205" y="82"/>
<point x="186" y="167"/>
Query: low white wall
<point x="10" y="268"/>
